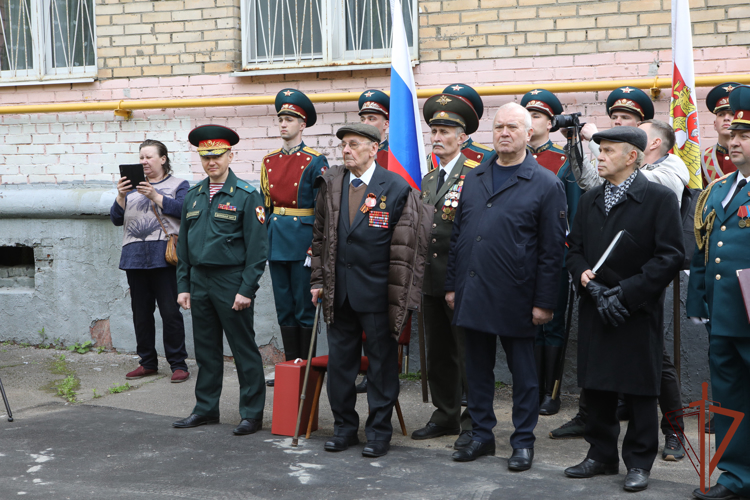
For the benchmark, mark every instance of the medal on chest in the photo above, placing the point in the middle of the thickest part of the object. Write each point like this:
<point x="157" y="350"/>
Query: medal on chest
<point x="743" y="213"/>
<point x="369" y="203"/>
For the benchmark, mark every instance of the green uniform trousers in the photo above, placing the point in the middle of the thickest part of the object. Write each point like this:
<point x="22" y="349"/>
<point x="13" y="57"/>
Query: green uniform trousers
<point x="291" y="292"/>
<point x="446" y="364"/>
<point x="212" y="293"/>
<point x="729" y="360"/>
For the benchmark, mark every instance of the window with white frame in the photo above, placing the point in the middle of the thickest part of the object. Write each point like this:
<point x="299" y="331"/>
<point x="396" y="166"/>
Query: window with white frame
<point x="44" y="40"/>
<point x="317" y="34"/>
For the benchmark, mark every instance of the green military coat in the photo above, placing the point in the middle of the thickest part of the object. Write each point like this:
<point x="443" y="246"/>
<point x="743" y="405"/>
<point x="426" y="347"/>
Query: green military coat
<point x="227" y="231"/>
<point x="442" y="221"/>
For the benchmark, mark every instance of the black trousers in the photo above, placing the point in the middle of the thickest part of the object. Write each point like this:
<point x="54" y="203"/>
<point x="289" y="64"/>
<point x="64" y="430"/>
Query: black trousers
<point x="641" y="441"/>
<point x="344" y="347"/>
<point x="149" y="287"/>
<point x="480" y="365"/>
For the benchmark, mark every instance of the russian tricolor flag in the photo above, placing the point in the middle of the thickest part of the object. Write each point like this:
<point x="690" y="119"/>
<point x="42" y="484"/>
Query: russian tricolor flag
<point x="406" y="149"/>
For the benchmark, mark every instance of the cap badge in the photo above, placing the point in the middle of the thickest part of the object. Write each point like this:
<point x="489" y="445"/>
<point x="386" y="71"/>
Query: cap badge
<point x="457" y="87"/>
<point x="443" y="100"/>
<point x="288" y="93"/>
<point x="739" y="115"/>
<point x="535" y="92"/>
<point x="368" y="94"/>
<point x="627" y="90"/>
<point x="728" y="88"/>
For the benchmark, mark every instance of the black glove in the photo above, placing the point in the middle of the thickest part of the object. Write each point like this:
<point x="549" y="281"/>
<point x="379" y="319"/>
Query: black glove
<point x="614" y="301"/>
<point x="597" y="290"/>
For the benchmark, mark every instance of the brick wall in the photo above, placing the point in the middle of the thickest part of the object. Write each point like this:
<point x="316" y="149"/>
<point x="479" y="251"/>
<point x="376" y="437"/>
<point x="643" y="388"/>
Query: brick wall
<point x="167" y="37"/>
<point x="476" y="29"/>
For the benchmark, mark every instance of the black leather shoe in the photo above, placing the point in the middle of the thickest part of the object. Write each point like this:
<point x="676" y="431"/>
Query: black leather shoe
<point x="362" y="386"/>
<point x="716" y="492"/>
<point x="269" y="382"/>
<point x="474" y="450"/>
<point x="623" y="412"/>
<point x="636" y="480"/>
<point x="432" y="430"/>
<point x="590" y="468"/>
<point x="375" y="449"/>
<point x="194" y="421"/>
<point x="464" y="439"/>
<point x="549" y="406"/>
<point x="521" y="459"/>
<point x="341" y="443"/>
<point x="464" y="399"/>
<point x="248" y="426"/>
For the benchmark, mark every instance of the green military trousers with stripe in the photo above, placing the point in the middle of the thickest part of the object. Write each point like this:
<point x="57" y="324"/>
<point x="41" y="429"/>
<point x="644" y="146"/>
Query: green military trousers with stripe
<point x="212" y="294"/>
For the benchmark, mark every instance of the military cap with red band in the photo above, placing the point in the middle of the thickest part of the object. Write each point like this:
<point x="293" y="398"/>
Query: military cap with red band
<point x="213" y="140"/>
<point x="468" y="93"/>
<point x="374" y="101"/>
<point x="739" y="101"/>
<point x="452" y="111"/>
<point x="295" y="103"/>
<point x="633" y="101"/>
<point x="718" y="97"/>
<point x="543" y="101"/>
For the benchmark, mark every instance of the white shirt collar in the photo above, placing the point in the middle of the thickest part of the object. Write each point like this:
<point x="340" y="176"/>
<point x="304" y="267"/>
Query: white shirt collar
<point x="449" y="166"/>
<point x="366" y="176"/>
<point x="737" y="180"/>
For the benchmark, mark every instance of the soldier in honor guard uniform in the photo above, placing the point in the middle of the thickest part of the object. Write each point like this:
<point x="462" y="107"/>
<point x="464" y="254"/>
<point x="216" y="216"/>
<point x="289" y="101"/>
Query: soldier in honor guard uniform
<point x="715" y="159"/>
<point x="222" y="251"/>
<point x="470" y="149"/>
<point x="287" y="179"/>
<point x="722" y="225"/>
<point x="543" y="106"/>
<point x="450" y="119"/>
<point x="374" y="106"/>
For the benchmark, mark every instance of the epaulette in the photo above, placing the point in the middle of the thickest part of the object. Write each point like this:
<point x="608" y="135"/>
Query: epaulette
<point x="273" y="152"/>
<point x="471" y="163"/>
<point x="308" y="149"/>
<point x="557" y="147"/>
<point x="482" y="146"/>
<point x="245" y="186"/>
<point x="705" y="224"/>
<point x="196" y="185"/>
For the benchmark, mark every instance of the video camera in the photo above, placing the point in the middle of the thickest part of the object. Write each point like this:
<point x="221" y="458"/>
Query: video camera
<point x="566" y="121"/>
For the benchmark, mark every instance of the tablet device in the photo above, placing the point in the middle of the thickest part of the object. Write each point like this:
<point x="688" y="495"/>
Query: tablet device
<point x="134" y="173"/>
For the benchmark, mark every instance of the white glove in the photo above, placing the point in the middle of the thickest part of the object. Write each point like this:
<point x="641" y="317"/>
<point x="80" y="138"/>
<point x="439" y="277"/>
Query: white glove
<point x="698" y="321"/>
<point x="308" y="262"/>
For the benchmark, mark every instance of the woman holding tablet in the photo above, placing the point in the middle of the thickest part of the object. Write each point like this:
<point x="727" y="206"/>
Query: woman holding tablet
<point x="150" y="212"/>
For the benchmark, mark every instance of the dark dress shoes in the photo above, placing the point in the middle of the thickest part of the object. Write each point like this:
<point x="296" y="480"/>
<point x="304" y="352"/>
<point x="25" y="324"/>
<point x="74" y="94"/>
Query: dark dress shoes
<point x="248" y="426"/>
<point x="464" y="439"/>
<point x="375" y="449"/>
<point x="549" y="406"/>
<point x="590" y="468"/>
<point x="432" y="430"/>
<point x="194" y="421"/>
<point x="474" y="450"/>
<point x="362" y="386"/>
<point x="521" y="459"/>
<point x="269" y="382"/>
<point x="341" y="443"/>
<point x="716" y="492"/>
<point x="636" y="480"/>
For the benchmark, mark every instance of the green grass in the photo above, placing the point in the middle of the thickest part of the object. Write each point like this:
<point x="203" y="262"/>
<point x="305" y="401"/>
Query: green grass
<point x="66" y="388"/>
<point x="499" y="385"/>
<point x="116" y="389"/>
<point x="82" y="348"/>
<point x="410" y="376"/>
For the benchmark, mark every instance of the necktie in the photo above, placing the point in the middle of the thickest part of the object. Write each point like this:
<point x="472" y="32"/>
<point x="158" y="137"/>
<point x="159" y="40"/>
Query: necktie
<point x="357" y="182"/>
<point x="739" y="187"/>
<point x="441" y="178"/>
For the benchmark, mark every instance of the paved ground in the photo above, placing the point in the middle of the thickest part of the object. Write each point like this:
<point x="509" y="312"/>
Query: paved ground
<point x="123" y="446"/>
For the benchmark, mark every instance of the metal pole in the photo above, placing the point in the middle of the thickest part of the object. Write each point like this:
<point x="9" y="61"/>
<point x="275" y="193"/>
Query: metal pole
<point x="422" y="353"/>
<point x="561" y="362"/>
<point x="295" y="439"/>
<point x="677" y="333"/>
<point x="5" y="400"/>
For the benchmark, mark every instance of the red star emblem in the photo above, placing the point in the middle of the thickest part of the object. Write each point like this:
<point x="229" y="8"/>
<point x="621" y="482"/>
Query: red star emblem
<point x="535" y="92"/>
<point x="728" y="88"/>
<point x="627" y="90"/>
<point x="288" y="93"/>
<point x="368" y="94"/>
<point x="457" y="87"/>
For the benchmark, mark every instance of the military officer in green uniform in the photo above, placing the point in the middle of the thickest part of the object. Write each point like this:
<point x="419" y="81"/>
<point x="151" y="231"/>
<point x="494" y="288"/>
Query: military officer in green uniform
<point x="374" y="109"/>
<point x="451" y="118"/>
<point x="222" y="254"/>
<point x="470" y="149"/>
<point x="543" y="105"/>
<point x="287" y="178"/>
<point x="722" y="223"/>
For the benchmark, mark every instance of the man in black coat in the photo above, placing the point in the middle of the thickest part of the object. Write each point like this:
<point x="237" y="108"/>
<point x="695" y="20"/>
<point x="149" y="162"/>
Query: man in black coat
<point x="503" y="268"/>
<point x="620" y="339"/>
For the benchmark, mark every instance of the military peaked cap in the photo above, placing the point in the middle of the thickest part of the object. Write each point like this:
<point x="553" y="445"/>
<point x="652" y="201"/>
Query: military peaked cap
<point x="543" y="101"/>
<point x="461" y="90"/>
<point x="213" y="140"/>
<point x="295" y="103"/>
<point x="718" y="98"/>
<point x="452" y="111"/>
<point x="632" y="100"/>
<point x="374" y="101"/>
<point x="739" y="101"/>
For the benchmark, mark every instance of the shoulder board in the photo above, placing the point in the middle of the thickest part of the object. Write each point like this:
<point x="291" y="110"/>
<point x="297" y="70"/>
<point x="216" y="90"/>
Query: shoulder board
<point x="471" y="163"/>
<point x="273" y="152"/>
<point x="481" y="146"/>
<point x="719" y="179"/>
<point x="245" y="186"/>
<point x="557" y="147"/>
<point x="195" y="186"/>
<point x="308" y="149"/>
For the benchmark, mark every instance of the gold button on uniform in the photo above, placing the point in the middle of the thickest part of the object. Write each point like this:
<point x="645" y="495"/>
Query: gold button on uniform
<point x="723" y="228"/>
<point x="434" y="240"/>
<point x="718" y="277"/>
<point x="434" y="255"/>
<point x="434" y="225"/>
<point x="275" y="218"/>
<point x="718" y="260"/>
<point x="295" y="184"/>
<point x="295" y="218"/>
<point x="720" y="244"/>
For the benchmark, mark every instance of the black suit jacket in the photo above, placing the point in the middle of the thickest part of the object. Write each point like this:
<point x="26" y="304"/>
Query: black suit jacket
<point x="364" y="250"/>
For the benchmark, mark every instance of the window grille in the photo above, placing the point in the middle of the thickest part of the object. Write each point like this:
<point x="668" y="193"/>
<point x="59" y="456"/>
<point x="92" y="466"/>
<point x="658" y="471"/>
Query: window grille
<point x="290" y="34"/>
<point x="47" y="40"/>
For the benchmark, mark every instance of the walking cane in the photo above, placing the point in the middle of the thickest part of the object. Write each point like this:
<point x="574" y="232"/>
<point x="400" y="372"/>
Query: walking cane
<point x="561" y="361"/>
<point x="5" y="399"/>
<point x="295" y="439"/>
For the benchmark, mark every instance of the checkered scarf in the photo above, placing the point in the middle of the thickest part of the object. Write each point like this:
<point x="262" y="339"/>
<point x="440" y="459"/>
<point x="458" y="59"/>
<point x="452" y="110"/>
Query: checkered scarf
<point x="612" y="193"/>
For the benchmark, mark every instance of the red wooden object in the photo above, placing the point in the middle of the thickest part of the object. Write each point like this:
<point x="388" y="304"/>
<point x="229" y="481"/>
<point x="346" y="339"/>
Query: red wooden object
<point x="286" y="397"/>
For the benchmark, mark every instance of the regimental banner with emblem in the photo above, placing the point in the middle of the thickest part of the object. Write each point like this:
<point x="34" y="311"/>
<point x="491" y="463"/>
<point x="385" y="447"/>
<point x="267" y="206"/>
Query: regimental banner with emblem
<point x="683" y="113"/>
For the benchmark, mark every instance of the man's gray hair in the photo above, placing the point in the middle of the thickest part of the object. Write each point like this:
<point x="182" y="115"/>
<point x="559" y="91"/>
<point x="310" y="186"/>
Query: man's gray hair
<point x="459" y="131"/>
<point x="640" y="154"/>
<point x="526" y="115"/>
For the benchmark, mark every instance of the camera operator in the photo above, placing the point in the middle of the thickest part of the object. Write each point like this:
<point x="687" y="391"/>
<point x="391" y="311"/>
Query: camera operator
<point x="543" y="106"/>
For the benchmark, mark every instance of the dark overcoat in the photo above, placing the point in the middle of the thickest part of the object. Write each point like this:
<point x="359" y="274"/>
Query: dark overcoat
<point x="506" y="249"/>
<point x="628" y="358"/>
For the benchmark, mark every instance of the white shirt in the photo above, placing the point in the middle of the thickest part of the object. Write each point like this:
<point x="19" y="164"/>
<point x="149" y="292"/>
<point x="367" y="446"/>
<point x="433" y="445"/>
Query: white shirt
<point x="734" y="186"/>
<point x="449" y="166"/>
<point x="366" y="176"/>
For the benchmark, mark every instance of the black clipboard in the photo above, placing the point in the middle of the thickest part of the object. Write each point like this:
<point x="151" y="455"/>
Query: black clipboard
<point x="621" y="260"/>
<point x="134" y="173"/>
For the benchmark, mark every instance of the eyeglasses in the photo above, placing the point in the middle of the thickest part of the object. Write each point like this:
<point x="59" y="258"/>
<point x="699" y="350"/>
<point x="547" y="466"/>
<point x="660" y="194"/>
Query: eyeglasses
<point x="352" y="144"/>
